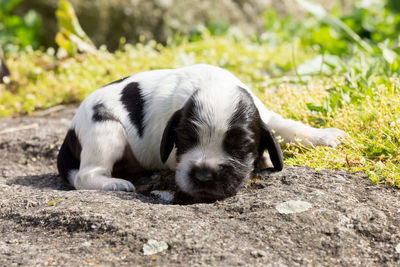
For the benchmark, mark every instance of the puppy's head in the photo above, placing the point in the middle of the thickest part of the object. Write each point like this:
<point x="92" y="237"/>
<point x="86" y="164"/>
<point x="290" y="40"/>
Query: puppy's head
<point x="218" y="142"/>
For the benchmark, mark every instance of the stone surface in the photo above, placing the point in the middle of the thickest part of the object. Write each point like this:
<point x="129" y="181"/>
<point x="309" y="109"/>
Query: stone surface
<point x="42" y="221"/>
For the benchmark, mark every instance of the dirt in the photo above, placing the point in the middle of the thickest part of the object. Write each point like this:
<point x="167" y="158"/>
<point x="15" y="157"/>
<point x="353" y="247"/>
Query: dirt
<point x="347" y="220"/>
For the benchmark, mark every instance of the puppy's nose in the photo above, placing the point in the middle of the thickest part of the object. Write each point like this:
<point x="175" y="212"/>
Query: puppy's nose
<point x="203" y="175"/>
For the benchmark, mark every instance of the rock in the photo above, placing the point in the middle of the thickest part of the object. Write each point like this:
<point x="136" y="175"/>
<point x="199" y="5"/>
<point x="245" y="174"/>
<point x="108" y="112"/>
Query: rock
<point x="154" y="246"/>
<point x="106" y="21"/>
<point x="352" y="222"/>
<point x="293" y="206"/>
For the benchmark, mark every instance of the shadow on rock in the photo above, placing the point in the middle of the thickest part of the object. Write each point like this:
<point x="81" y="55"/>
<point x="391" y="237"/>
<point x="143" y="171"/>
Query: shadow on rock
<point x="49" y="180"/>
<point x="147" y="186"/>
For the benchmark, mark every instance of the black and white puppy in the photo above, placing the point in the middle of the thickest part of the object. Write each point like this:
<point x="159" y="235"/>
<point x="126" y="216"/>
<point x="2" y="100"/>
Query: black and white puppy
<point x="200" y="121"/>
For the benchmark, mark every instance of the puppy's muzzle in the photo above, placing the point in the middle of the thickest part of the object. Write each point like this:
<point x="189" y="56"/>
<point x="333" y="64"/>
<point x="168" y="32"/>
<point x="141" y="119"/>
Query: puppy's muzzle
<point x="202" y="175"/>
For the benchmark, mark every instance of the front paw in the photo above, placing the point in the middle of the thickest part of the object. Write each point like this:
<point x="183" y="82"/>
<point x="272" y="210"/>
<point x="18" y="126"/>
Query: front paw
<point x="118" y="185"/>
<point x="328" y="137"/>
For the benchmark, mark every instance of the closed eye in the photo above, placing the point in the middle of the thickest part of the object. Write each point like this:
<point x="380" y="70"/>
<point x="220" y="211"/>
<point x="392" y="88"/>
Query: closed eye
<point x="187" y="137"/>
<point x="238" y="142"/>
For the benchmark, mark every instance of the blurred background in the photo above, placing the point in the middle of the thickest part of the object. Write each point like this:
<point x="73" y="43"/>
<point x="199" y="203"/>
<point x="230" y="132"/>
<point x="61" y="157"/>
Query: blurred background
<point x="106" y="21"/>
<point x="34" y="22"/>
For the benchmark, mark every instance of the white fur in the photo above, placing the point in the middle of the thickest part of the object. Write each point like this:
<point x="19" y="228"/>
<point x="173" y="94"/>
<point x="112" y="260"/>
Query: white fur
<point x="166" y="91"/>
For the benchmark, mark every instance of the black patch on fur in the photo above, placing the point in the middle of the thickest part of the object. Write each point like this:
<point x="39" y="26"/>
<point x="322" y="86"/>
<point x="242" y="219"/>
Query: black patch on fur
<point x="187" y="134"/>
<point x="249" y="134"/>
<point x="243" y="134"/>
<point x="239" y="142"/>
<point x="118" y="81"/>
<point x="69" y="155"/>
<point x="168" y="139"/>
<point x="133" y="101"/>
<point x="101" y="113"/>
<point x="180" y="131"/>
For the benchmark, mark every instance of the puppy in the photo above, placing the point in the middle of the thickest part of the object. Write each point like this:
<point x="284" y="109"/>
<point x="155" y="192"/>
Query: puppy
<point x="200" y="121"/>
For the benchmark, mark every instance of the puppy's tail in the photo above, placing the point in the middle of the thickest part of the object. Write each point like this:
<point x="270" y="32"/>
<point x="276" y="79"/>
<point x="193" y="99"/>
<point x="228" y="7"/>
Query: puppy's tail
<point x="68" y="156"/>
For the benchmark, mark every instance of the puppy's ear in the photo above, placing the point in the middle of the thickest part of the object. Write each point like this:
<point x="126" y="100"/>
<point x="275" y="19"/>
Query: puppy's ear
<point x="269" y="142"/>
<point x="169" y="136"/>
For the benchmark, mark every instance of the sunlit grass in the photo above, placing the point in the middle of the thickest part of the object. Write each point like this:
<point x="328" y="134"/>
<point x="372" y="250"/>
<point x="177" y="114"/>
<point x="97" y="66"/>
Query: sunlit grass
<point x="373" y="126"/>
<point x="40" y="80"/>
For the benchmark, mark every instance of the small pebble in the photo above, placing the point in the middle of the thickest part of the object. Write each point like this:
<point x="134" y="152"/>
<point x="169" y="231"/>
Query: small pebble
<point x="87" y="244"/>
<point x="154" y="246"/>
<point x="293" y="206"/>
<point x="398" y="248"/>
<point x="257" y="253"/>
